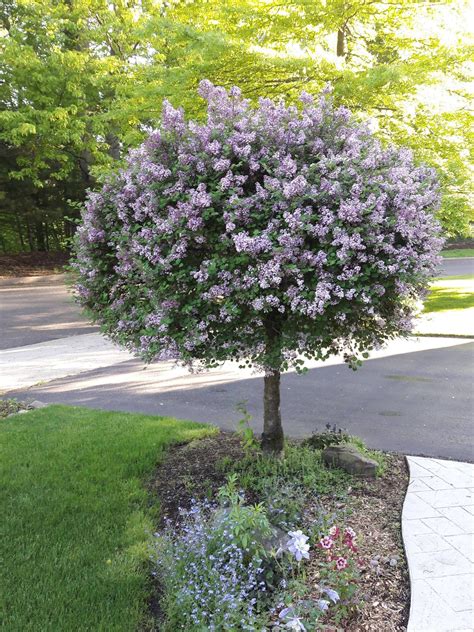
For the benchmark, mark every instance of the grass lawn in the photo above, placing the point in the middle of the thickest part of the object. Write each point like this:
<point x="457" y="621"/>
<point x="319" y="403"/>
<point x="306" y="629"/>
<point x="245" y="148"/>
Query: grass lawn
<point x="458" y="252"/>
<point x="75" y="516"/>
<point x="455" y="292"/>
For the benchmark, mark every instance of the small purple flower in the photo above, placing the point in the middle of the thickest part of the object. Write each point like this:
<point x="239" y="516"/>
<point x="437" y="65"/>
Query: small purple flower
<point x="332" y="594"/>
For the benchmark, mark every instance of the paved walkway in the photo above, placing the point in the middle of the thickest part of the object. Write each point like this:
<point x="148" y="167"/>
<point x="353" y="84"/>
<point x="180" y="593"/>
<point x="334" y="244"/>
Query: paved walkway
<point x="438" y="532"/>
<point x="452" y="322"/>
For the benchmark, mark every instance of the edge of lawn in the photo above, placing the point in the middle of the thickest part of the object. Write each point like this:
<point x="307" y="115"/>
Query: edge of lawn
<point x="77" y="518"/>
<point x="457" y="253"/>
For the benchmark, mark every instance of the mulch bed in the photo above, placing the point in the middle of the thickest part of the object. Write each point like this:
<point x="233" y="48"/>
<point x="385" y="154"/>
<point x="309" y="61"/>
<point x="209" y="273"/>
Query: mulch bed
<point x="33" y="263"/>
<point x="373" y="509"/>
<point x="374" y="512"/>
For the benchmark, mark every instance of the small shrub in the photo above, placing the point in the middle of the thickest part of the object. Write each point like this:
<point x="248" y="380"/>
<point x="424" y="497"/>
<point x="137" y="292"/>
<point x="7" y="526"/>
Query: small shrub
<point x="10" y="407"/>
<point x="332" y="435"/>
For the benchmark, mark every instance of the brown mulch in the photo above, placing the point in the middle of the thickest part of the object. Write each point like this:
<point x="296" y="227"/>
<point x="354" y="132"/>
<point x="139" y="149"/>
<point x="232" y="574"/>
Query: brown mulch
<point x="373" y="509"/>
<point x="33" y="263"/>
<point x="191" y="471"/>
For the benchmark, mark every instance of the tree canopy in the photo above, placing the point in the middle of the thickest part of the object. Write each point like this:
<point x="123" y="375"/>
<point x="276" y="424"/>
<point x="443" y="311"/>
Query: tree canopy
<point x="81" y="81"/>
<point x="268" y="235"/>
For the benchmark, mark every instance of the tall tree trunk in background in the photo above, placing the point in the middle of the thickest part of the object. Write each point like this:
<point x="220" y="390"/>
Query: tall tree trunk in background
<point x="272" y="436"/>
<point x="40" y="237"/>
<point x="114" y="145"/>
<point x="20" y="232"/>
<point x="341" y="43"/>
<point x="30" y="236"/>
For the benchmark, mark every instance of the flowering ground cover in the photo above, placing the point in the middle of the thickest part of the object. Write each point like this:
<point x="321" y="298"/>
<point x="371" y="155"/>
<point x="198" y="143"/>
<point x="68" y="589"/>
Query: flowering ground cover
<point x="335" y="560"/>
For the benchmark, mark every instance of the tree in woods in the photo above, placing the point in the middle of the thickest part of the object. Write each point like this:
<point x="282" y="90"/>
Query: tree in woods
<point x="406" y="66"/>
<point x="81" y="81"/>
<point x="268" y="235"/>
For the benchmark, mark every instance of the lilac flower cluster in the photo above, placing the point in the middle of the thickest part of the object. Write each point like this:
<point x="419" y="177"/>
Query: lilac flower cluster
<point x="276" y="218"/>
<point x="211" y="583"/>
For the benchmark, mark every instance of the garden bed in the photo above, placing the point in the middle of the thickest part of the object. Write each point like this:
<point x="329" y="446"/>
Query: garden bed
<point x="372" y="509"/>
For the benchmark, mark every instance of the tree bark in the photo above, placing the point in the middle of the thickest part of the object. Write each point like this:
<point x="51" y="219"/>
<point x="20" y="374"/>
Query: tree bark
<point x="272" y="436"/>
<point x="341" y="43"/>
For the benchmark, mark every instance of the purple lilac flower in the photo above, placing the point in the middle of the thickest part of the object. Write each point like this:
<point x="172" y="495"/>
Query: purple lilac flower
<point x="337" y="248"/>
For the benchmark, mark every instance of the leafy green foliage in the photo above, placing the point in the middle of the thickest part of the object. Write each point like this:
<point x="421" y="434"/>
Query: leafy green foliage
<point x="82" y="80"/>
<point x="283" y="485"/>
<point x="9" y="407"/>
<point x="331" y="435"/>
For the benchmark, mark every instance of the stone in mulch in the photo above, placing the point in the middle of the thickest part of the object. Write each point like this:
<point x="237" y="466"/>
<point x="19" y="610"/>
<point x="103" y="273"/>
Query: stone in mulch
<point x="348" y="458"/>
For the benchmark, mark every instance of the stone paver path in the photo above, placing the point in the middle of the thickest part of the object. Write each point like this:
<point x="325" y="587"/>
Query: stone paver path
<point x="438" y="532"/>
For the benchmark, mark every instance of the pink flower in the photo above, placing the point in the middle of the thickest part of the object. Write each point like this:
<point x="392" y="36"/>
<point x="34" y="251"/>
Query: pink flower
<point x="349" y="533"/>
<point x="341" y="563"/>
<point x="334" y="531"/>
<point x="327" y="542"/>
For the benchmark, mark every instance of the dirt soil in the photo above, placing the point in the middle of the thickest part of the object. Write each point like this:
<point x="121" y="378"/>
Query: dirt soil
<point x="373" y="509"/>
<point x="33" y="263"/>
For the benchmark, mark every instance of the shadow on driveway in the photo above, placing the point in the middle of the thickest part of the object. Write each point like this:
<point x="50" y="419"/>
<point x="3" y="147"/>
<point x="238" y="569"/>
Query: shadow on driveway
<point x="415" y="403"/>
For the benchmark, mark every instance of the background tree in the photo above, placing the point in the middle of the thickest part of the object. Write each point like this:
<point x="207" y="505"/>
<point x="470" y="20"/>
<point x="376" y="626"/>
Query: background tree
<point x="404" y="66"/>
<point x="267" y="236"/>
<point x="81" y="81"/>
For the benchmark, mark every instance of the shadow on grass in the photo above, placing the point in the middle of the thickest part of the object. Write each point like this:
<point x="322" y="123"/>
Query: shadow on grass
<point x="442" y="299"/>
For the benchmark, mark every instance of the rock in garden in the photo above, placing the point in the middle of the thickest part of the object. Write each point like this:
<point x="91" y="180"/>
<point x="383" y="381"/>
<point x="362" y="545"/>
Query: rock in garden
<point x="349" y="459"/>
<point x="37" y="404"/>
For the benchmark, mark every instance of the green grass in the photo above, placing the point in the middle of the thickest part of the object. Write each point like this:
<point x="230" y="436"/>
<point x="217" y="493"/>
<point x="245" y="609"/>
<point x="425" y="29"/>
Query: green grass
<point x="455" y="292"/>
<point x="76" y="518"/>
<point x="458" y="252"/>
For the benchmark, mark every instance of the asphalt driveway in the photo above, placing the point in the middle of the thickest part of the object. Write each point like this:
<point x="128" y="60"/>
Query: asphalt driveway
<point x="38" y="309"/>
<point x="416" y="401"/>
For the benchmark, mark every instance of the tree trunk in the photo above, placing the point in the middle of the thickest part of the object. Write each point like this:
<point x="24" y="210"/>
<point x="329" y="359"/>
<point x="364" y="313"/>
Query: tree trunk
<point x="341" y="43"/>
<point x="272" y="436"/>
<point x="40" y="240"/>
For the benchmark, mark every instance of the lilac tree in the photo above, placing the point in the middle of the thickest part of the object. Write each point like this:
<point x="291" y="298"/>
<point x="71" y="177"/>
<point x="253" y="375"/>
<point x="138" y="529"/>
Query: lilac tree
<point x="269" y="235"/>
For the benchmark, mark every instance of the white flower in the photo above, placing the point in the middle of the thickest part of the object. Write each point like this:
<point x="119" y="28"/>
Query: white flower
<point x="294" y="623"/>
<point x="297" y="545"/>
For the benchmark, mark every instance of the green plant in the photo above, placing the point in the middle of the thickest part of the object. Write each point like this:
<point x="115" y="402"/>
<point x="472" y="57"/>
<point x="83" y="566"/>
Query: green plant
<point x="10" y="406"/>
<point x="300" y="466"/>
<point x="332" y="435"/>
<point x="249" y="441"/>
<point x="283" y="485"/>
<point x="248" y="525"/>
<point x="339" y="566"/>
